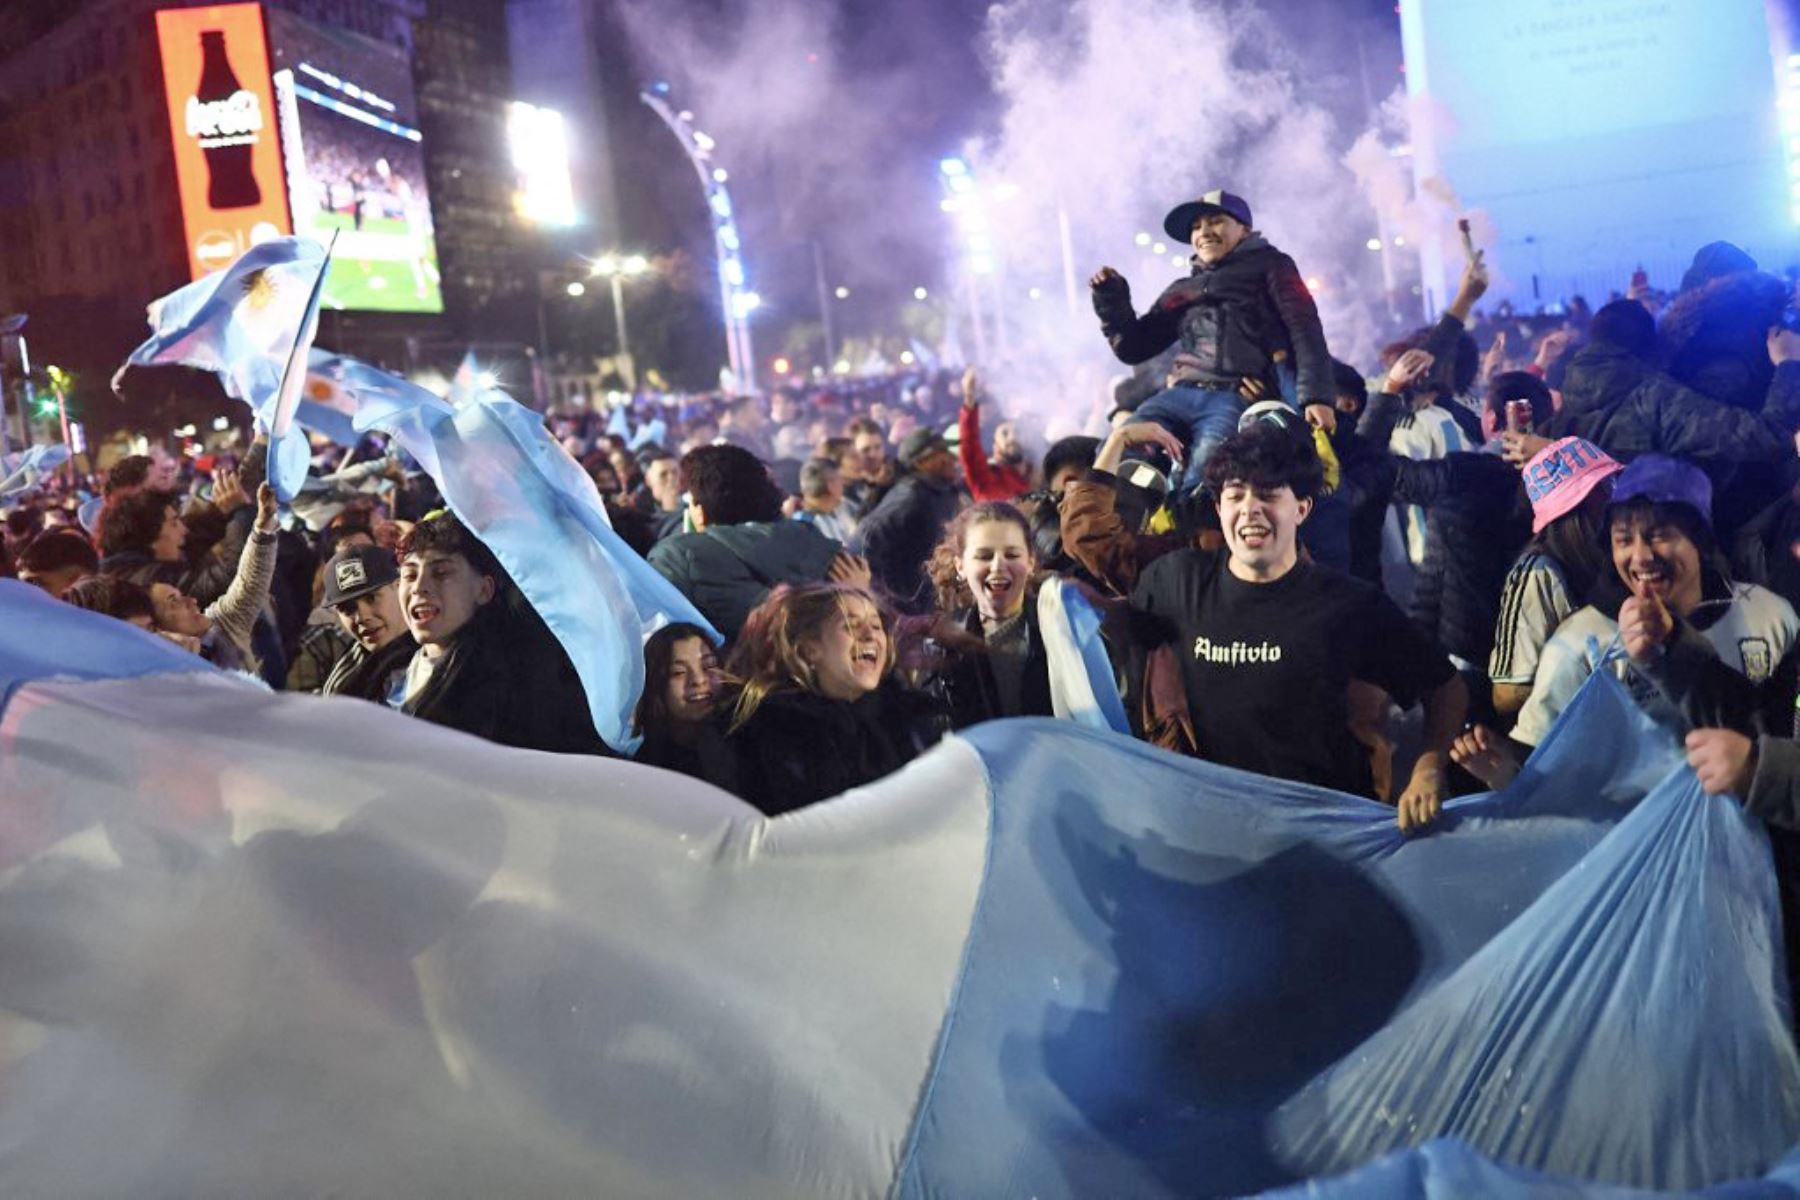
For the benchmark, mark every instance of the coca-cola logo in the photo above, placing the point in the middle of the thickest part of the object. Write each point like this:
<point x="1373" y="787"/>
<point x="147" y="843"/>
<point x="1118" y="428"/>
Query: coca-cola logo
<point x="232" y="121"/>
<point x="215" y="249"/>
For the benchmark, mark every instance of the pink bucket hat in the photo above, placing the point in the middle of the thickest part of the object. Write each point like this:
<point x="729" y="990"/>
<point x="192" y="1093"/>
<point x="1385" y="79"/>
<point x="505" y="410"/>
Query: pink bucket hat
<point x="1560" y="476"/>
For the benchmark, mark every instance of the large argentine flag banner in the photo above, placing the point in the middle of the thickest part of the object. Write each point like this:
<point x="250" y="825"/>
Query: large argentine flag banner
<point x="270" y="945"/>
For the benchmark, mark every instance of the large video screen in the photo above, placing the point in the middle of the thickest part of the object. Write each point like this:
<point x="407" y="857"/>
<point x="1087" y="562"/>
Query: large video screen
<point x="222" y="122"/>
<point x="1601" y="135"/>
<point x="356" y="164"/>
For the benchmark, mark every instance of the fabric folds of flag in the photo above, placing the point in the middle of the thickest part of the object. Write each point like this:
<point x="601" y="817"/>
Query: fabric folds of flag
<point x="1083" y="687"/>
<point x="245" y="324"/>
<point x="508" y="480"/>
<point x="262" y="944"/>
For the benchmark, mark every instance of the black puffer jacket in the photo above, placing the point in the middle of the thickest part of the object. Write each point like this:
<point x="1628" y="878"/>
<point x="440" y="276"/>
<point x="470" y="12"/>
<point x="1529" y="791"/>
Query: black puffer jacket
<point x="1234" y="317"/>
<point x="798" y="748"/>
<point x="1476" y="524"/>
<point x="1627" y="407"/>
<point x="1715" y="337"/>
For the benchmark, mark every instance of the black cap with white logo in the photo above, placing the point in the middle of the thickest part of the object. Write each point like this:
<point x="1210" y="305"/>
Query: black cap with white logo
<point x="358" y="571"/>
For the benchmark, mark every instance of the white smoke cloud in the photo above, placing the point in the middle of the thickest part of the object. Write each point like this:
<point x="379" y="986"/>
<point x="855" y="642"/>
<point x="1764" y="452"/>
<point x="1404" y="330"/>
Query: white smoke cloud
<point x="1117" y="110"/>
<point x="1109" y="112"/>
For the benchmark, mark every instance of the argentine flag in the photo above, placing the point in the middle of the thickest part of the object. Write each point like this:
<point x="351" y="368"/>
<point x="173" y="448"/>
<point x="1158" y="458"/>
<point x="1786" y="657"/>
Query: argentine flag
<point x="516" y="489"/>
<point x="245" y="324"/>
<point x="258" y="944"/>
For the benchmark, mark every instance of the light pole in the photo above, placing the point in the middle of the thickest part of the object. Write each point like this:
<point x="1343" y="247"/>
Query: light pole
<point x="735" y="295"/>
<point x="616" y="270"/>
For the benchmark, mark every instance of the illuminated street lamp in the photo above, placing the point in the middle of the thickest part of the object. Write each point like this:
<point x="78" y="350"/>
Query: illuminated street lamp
<point x="616" y="270"/>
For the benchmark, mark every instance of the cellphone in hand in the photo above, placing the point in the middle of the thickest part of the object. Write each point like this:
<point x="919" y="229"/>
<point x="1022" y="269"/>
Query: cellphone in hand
<point x="1518" y="416"/>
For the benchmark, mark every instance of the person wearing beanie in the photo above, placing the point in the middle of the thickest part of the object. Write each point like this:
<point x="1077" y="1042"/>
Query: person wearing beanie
<point x="1246" y="323"/>
<point x="1269" y="644"/>
<point x="1666" y="572"/>
<point x="1714" y="334"/>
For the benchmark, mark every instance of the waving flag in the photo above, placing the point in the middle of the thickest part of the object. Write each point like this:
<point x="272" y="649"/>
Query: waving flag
<point x="239" y="323"/>
<point x="331" y="398"/>
<point x="259" y="944"/>
<point x="508" y="480"/>
<point x="28" y="469"/>
<point x="1083" y="687"/>
<point x="245" y="324"/>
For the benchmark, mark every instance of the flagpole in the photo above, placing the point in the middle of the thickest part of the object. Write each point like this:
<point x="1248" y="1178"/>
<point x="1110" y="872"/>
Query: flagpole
<point x="303" y="339"/>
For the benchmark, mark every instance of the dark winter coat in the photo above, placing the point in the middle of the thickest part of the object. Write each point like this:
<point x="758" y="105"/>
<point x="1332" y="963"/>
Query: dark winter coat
<point x="1475" y="525"/>
<point x="966" y="679"/>
<point x="507" y="679"/>
<point x="704" y="753"/>
<point x="1235" y="317"/>
<point x="798" y="748"/>
<point x="364" y="675"/>
<point x="1715" y="337"/>
<point x="1627" y="407"/>
<point x="900" y="534"/>
<point x="726" y="570"/>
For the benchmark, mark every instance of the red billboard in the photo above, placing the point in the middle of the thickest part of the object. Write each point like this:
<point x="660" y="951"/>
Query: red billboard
<point x="215" y="65"/>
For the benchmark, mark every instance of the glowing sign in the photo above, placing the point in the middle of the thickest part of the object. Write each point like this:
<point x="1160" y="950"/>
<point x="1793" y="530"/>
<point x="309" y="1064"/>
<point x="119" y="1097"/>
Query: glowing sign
<point x="540" y="156"/>
<point x="222" y="121"/>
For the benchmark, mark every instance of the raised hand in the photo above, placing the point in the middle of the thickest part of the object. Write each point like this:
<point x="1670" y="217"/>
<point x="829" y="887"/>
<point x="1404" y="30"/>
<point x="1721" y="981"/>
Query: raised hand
<point x="1407" y="370"/>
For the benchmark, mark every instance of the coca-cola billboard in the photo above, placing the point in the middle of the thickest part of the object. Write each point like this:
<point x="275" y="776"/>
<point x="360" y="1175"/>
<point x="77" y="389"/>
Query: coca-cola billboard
<point x="222" y="118"/>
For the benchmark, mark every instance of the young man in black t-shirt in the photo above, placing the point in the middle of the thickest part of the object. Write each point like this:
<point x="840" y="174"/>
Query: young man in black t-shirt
<point x="1269" y="644"/>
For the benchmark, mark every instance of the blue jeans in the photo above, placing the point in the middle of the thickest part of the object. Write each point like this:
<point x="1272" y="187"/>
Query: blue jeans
<point x="1202" y="418"/>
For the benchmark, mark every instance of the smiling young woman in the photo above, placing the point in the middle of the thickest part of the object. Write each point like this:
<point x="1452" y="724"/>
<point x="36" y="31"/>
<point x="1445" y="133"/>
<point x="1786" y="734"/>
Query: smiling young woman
<point x="818" y="709"/>
<point x="993" y="662"/>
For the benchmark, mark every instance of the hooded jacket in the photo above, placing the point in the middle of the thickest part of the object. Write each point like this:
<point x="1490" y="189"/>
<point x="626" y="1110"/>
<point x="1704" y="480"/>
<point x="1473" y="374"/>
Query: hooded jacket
<point x="726" y="570"/>
<point x="900" y="534"/>
<point x="1233" y="318"/>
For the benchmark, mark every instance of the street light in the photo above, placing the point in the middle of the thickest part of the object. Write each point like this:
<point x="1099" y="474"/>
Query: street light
<point x="577" y="288"/>
<point x="616" y="270"/>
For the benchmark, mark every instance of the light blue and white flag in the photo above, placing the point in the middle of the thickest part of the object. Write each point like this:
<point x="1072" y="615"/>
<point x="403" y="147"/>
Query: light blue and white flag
<point x="517" y="490"/>
<point x="26" y="470"/>
<point x="1083" y="687"/>
<point x="336" y="385"/>
<point x="258" y="944"/>
<point x="244" y="324"/>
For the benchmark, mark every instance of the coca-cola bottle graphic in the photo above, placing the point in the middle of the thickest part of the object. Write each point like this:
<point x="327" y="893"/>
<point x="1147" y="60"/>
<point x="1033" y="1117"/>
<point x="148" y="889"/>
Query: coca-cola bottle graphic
<point x="226" y="119"/>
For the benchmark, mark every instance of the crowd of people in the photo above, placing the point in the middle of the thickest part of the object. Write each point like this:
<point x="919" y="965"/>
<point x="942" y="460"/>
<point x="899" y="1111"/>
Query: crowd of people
<point x="1387" y="578"/>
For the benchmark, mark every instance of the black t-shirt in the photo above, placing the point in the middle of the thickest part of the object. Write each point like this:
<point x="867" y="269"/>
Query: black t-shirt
<point x="1267" y="665"/>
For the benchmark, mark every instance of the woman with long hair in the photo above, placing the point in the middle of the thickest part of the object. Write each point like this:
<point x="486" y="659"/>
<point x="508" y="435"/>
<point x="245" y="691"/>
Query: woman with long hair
<point x="818" y="709"/>
<point x="985" y="573"/>
<point x="684" y="690"/>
